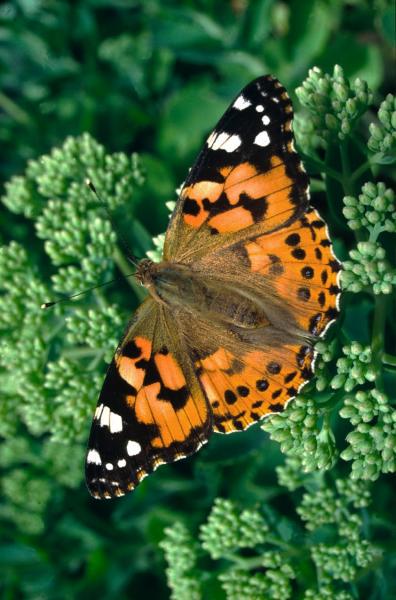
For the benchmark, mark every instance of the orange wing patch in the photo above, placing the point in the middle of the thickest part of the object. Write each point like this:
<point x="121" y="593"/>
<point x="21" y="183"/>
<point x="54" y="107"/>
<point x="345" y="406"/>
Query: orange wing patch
<point x="148" y="414"/>
<point x="301" y="266"/>
<point x="162" y="396"/>
<point x="244" y="197"/>
<point x="242" y="390"/>
<point x="126" y="364"/>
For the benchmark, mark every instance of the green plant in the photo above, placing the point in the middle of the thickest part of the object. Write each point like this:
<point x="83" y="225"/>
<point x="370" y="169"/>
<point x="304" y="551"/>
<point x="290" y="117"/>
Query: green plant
<point x="320" y="552"/>
<point x="136" y="78"/>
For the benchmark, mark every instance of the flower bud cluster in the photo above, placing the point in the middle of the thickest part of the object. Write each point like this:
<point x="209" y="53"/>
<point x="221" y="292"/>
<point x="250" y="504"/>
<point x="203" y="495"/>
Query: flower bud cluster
<point x="372" y="443"/>
<point x="334" y="103"/>
<point x="227" y="529"/>
<point x="304" y="434"/>
<point x="383" y="134"/>
<point x="374" y="209"/>
<point x="354" y="368"/>
<point x="180" y="551"/>
<point x="368" y="267"/>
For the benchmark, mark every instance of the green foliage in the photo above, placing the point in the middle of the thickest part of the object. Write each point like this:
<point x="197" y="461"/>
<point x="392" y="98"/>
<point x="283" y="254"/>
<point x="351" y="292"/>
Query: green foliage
<point x="305" y="512"/>
<point x="372" y="444"/>
<point x="383" y="136"/>
<point x="325" y="538"/>
<point x="180" y="550"/>
<point x="76" y="231"/>
<point x="334" y="103"/>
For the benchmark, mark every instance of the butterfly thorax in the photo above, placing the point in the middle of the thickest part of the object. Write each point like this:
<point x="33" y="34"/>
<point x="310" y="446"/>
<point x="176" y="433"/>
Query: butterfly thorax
<point x="179" y="286"/>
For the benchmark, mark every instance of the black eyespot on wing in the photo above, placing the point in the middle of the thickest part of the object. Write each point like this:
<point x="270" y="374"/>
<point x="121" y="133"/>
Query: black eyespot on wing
<point x="262" y="385"/>
<point x="131" y="350"/>
<point x="191" y="207"/>
<point x="243" y="391"/>
<point x="293" y="239"/>
<point x="230" y="397"/>
<point x="298" y="253"/>
<point x="273" y="367"/>
<point x="307" y="272"/>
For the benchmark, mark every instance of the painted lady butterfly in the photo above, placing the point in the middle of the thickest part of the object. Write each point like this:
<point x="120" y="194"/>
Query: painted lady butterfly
<point x="247" y="282"/>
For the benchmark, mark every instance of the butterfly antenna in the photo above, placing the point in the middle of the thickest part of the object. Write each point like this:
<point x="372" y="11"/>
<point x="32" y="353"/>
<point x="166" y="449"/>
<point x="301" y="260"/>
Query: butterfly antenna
<point x="131" y="257"/>
<point x="94" y="287"/>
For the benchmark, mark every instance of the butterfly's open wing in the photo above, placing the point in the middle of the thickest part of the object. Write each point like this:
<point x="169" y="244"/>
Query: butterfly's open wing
<point x="247" y="179"/>
<point x="243" y="388"/>
<point x="243" y="219"/>
<point x="151" y="409"/>
<point x="294" y="276"/>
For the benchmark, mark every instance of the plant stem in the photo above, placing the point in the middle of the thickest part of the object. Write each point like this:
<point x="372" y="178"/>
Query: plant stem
<point x="330" y="404"/>
<point x="378" y="335"/>
<point x="322" y="167"/>
<point x="361" y="170"/>
<point x="388" y="359"/>
<point x="347" y="182"/>
<point x="375" y="232"/>
<point x="13" y="110"/>
<point x="125" y="269"/>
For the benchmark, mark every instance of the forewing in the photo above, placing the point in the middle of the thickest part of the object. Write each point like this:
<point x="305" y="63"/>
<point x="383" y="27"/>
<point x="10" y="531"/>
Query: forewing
<point x="243" y="219"/>
<point x="247" y="179"/>
<point x="151" y="409"/>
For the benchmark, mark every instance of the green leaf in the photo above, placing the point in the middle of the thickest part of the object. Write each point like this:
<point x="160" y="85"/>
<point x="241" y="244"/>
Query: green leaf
<point x="195" y="109"/>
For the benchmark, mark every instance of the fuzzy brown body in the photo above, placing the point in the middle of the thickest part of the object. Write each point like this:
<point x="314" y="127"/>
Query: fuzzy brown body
<point x="180" y="287"/>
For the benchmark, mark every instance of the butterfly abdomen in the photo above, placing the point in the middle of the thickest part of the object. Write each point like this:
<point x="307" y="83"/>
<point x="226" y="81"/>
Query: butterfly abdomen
<point x="181" y="287"/>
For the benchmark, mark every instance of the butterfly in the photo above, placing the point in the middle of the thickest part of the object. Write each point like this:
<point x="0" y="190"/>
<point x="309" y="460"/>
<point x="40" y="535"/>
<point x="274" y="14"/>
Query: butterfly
<point x="247" y="283"/>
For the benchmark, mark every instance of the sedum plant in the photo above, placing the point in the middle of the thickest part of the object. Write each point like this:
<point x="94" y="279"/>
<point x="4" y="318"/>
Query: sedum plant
<point x="319" y="530"/>
<point x="50" y="360"/>
<point x="321" y="553"/>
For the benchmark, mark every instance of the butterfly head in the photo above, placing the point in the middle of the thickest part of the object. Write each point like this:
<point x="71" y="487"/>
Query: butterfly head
<point x="145" y="272"/>
<point x="147" y="275"/>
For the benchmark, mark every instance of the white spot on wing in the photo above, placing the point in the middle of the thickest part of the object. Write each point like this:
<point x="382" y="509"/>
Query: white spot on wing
<point x="115" y="423"/>
<point x="105" y="417"/>
<point x="122" y="463"/>
<point x="266" y="120"/>
<point x="93" y="457"/>
<point x="241" y="103"/>
<point x="226" y="141"/>
<point x="211" y="139"/>
<point x="133" y="448"/>
<point x="98" y="411"/>
<point x="232" y="143"/>
<point x="260" y="108"/>
<point x="109" y="466"/>
<point x="262" y="139"/>
<point x="109" y="419"/>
